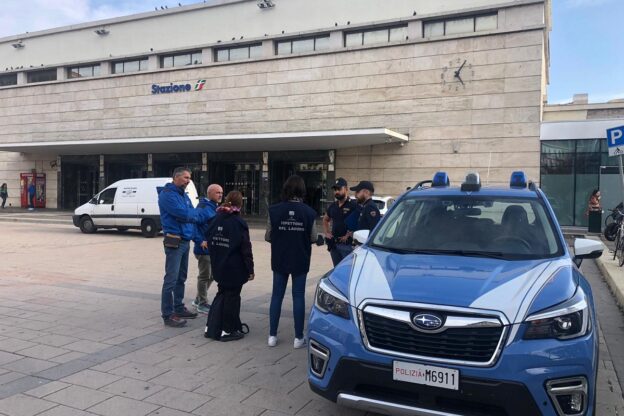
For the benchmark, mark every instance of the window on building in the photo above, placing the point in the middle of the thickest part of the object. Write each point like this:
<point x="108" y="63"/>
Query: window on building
<point x="569" y="171"/>
<point x="83" y="71"/>
<point x="376" y="36"/>
<point x="183" y="59"/>
<point x="303" y="45"/>
<point x="460" y="25"/>
<point x="8" y="79"/>
<point x="41" y="76"/>
<point x="130" y="66"/>
<point x="236" y="53"/>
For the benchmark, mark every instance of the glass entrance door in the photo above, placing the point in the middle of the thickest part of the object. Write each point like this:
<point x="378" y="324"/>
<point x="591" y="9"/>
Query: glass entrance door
<point x="243" y="177"/>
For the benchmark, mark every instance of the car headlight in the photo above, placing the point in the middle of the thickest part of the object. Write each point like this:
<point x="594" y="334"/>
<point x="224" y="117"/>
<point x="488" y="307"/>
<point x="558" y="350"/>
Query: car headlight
<point x="568" y="320"/>
<point x="330" y="300"/>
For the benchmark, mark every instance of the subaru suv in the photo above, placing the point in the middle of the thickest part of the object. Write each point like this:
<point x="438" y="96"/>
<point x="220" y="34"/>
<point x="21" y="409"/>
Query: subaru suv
<point x="462" y="301"/>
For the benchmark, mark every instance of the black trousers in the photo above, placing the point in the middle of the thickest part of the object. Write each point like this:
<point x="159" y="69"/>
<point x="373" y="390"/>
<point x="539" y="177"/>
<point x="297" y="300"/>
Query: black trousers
<point x="231" y="307"/>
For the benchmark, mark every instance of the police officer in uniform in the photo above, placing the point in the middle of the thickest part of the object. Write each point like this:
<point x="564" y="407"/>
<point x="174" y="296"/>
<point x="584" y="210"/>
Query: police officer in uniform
<point x="369" y="214"/>
<point x="340" y="214"/>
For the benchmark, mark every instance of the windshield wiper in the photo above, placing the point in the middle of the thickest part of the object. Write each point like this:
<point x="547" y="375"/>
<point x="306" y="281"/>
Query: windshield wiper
<point x="475" y="253"/>
<point x="434" y="252"/>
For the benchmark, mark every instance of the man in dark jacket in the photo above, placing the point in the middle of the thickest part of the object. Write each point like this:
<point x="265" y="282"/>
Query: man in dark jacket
<point x="177" y="216"/>
<point x="339" y="215"/>
<point x="369" y="214"/>
<point x="202" y="254"/>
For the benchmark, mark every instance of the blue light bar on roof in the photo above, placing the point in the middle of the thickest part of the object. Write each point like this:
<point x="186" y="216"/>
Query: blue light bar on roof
<point x="518" y="180"/>
<point x="440" y="179"/>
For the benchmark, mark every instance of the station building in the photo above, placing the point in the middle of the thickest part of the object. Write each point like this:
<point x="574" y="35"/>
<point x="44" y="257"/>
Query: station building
<point x="247" y="92"/>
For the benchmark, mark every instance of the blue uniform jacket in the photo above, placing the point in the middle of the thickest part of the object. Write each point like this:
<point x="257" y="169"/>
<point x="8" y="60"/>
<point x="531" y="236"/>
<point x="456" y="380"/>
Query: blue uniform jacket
<point x="201" y="229"/>
<point x="177" y="214"/>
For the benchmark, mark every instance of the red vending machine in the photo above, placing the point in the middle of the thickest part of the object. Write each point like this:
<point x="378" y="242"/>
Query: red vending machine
<point x="39" y="180"/>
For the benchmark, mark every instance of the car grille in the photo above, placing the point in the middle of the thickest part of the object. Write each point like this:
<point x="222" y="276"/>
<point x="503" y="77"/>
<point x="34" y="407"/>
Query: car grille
<point x="476" y="345"/>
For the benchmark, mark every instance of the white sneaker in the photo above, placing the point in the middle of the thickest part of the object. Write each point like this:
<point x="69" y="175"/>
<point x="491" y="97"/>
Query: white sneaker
<point x="299" y="343"/>
<point x="272" y="341"/>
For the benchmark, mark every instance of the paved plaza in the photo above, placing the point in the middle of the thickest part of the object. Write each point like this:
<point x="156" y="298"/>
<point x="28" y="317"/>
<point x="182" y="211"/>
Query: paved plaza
<point x="81" y="334"/>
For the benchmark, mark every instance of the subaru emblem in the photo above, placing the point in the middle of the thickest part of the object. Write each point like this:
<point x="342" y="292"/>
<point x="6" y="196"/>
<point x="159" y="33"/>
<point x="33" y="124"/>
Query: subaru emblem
<point x="427" y="321"/>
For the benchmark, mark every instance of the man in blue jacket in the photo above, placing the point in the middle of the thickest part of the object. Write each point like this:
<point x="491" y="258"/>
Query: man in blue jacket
<point x="205" y="278"/>
<point x="178" y="217"/>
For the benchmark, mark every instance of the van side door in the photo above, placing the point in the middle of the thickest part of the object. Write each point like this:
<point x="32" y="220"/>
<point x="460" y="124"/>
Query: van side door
<point x="104" y="210"/>
<point x="126" y="203"/>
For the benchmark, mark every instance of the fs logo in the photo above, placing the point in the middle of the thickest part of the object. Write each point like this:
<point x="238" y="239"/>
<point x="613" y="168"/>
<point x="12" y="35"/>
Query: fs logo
<point x="219" y="228"/>
<point x="200" y="84"/>
<point x="291" y="213"/>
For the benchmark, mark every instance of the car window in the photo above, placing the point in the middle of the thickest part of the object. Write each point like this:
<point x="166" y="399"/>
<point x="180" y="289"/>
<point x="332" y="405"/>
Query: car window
<point x="107" y="196"/>
<point x="380" y="204"/>
<point x="513" y="228"/>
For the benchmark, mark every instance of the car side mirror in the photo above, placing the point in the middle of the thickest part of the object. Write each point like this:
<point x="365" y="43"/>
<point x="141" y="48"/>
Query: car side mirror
<point x="101" y="201"/>
<point x="360" y="237"/>
<point x="586" y="249"/>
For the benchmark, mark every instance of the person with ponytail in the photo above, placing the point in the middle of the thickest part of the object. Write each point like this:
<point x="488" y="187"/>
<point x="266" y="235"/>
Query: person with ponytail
<point x="232" y="262"/>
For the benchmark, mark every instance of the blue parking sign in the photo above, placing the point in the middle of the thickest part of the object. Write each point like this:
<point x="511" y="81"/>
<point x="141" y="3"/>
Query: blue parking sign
<point x="615" y="141"/>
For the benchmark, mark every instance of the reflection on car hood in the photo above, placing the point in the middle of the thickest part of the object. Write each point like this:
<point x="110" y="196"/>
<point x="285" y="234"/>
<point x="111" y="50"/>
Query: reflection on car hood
<point x="476" y="282"/>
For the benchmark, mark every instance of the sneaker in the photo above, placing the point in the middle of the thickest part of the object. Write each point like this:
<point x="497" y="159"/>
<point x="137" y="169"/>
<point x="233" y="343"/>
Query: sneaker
<point x="299" y="343"/>
<point x="195" y="303"/>
<point x="233" y="336"/>
<point x="272" y="341"/>
<point x="203" y="308"/>
<point x="186" y="314"/>
<point x="175" y="321"/>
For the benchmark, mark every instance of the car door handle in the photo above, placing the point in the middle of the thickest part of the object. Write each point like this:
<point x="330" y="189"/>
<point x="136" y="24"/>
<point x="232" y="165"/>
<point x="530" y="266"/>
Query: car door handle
<point x="112" y="207"/>
<point x="142" y="210"/>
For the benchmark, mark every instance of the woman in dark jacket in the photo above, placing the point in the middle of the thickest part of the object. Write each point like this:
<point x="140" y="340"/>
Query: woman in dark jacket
<point x="291" y="230"/>
<point x="231" y="260"/>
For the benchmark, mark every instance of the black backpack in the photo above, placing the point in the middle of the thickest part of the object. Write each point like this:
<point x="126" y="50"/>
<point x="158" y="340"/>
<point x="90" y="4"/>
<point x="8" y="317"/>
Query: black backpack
<point x="214" y="322"/>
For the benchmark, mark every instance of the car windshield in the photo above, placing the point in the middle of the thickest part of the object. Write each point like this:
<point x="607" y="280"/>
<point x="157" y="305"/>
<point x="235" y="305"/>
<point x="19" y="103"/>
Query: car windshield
<point x="486" y="226"/>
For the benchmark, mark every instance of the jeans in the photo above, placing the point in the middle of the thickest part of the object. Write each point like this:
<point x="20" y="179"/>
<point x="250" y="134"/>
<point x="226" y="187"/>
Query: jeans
<point x="280" y="281"/>
<point x="176" y="268"/>
<point x="4" y="198"/>
<point x="204" y="278"/>
<point x="339" y="252"/>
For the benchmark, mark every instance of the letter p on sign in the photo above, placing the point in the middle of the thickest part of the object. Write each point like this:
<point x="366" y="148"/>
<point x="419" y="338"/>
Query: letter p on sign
<point x="615" y="140"/>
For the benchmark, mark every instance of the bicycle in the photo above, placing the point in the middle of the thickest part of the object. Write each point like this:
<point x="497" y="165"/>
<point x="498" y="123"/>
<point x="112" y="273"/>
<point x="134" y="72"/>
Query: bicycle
<point x="619" y="244"/>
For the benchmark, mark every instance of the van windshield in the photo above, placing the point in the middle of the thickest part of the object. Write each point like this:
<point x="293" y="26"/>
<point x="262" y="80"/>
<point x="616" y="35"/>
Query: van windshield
<point x="501" y="227"/>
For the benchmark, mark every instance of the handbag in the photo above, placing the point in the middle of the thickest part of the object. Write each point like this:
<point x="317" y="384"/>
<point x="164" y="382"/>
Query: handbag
<point x="172" y="241"/>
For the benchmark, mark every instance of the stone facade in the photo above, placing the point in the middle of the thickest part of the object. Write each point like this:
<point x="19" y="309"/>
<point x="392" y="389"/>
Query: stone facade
<point x="492" y="125"/>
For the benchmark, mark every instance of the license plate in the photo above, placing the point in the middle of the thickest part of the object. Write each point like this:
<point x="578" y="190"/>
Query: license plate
<point x="428" y="375"/>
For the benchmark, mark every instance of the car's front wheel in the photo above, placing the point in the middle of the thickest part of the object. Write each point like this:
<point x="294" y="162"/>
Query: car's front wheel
<point x="87" y="226"/>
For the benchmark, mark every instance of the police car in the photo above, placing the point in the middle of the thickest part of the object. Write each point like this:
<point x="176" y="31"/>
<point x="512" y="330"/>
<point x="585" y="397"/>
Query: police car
<point x="462" y="301"/>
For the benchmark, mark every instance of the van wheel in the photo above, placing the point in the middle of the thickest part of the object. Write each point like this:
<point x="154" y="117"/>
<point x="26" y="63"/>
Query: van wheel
<point x="87" y="226"/>
<point x="122" y="229"/>
<point x="148" y="228"/>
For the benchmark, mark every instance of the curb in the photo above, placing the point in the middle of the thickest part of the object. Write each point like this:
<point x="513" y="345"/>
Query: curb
<point x="613" y="275"/>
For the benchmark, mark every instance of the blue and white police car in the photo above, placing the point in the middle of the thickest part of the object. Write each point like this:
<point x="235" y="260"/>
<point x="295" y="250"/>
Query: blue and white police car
<point x="462" y="301"/>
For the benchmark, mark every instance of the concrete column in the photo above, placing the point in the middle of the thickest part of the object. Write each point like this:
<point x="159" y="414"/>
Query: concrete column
<point x="152" y="62"/>
<point x="105" y="68"/>
<point x="415" y="29"/>
<point x="265" y="189"/>
<point x="150" y="170"/>
<point x="59" y="184"/>
<point x="336" y="40"/>
<point x="61" y="73"/>
<point x="207" y="55"/>
<point x="102" y="181"/>
<point x="268" y="49"/>
<point x="22" y="79"/>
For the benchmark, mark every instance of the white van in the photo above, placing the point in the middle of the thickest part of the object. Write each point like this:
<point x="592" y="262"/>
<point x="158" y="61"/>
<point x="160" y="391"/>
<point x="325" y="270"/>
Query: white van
<point x="126" y="204"/>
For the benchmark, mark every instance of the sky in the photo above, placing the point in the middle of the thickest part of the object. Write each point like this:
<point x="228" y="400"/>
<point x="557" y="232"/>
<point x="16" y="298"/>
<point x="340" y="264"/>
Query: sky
<point x="586" y="42"/>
